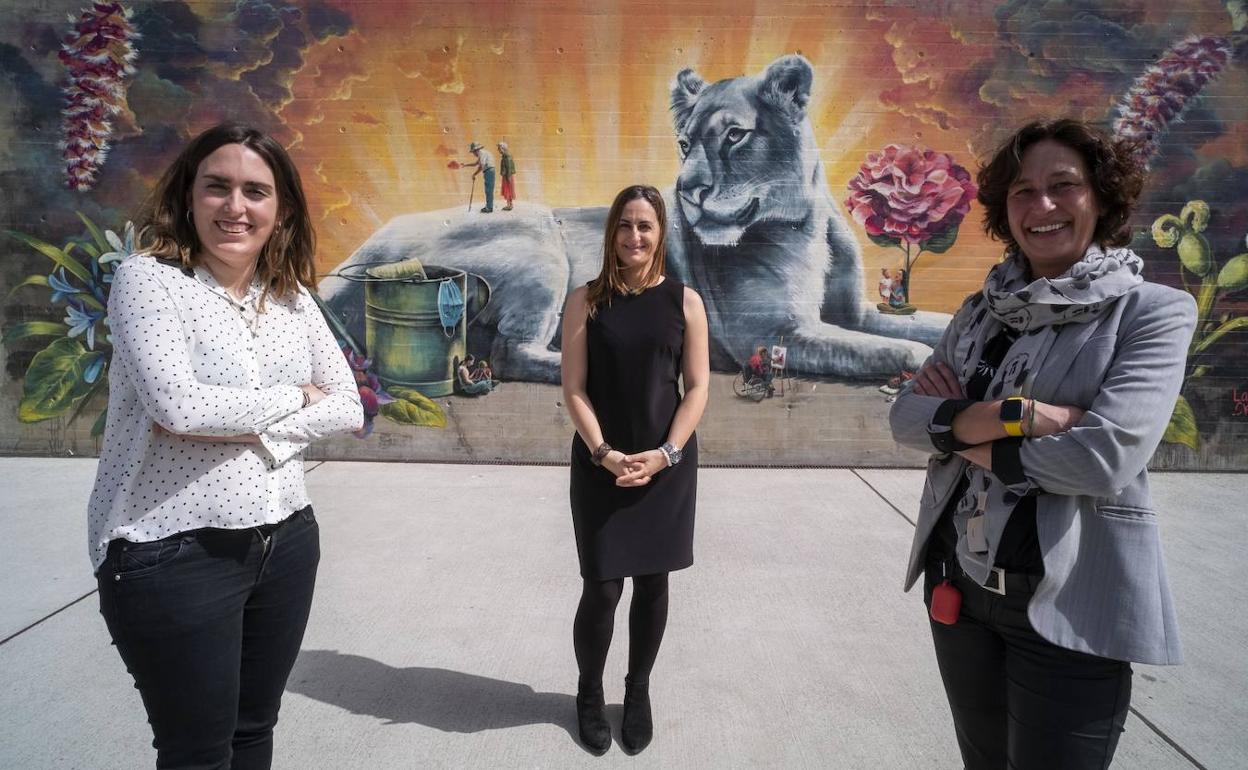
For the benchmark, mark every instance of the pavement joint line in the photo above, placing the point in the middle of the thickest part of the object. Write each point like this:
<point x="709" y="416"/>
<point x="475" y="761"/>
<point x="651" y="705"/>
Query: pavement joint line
<point x="881" y="496"/>
<point x="1147" y="722"/>
<point x="18" y="633"/>
<point x="1169" y="741"/>
<point x="307" y="470"/>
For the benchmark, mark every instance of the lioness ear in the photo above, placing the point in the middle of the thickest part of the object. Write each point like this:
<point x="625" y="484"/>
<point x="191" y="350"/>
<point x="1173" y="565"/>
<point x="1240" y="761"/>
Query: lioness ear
<point x="786" y="85"/>
<point x="685" y="89"/>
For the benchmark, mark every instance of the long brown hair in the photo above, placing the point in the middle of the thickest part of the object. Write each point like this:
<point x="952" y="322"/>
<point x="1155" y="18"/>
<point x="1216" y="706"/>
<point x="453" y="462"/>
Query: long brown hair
<point x="610" y="281"/>
<point x="288" y="257"/>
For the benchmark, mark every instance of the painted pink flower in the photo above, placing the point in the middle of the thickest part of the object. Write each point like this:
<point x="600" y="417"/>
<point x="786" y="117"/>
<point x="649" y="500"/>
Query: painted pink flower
<point x="908" y="194"/>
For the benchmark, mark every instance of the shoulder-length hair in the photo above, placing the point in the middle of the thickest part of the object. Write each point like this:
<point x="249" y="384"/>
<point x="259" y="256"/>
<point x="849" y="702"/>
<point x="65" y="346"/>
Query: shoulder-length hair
<point x="1115" y="174"/>
<point x="288" y="257"/>
<point x="610" y="281"/>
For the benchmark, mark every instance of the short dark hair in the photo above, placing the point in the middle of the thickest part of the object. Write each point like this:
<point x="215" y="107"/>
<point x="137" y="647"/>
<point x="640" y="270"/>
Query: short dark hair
<point x="287" y="260"/>
<point x="1116" y="176"/>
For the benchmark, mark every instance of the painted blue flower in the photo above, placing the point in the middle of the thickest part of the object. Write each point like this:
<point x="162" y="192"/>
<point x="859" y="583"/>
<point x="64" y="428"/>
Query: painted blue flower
<point x="99" y="279"/>
<point x="94" y="368"/>
<point x="81" y="319"/>
<point x="121" y="249"/>
<point x="61" y="287"/>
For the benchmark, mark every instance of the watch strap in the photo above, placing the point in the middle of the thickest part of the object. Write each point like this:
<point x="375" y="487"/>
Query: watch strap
<point x="1012" y="411"/>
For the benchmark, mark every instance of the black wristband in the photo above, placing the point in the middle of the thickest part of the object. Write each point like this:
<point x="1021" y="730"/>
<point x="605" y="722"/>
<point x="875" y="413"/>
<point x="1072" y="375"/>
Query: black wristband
<point x="596" y="457"/>
<point x="1007" y="466"/>
<point x="941" y="429"/>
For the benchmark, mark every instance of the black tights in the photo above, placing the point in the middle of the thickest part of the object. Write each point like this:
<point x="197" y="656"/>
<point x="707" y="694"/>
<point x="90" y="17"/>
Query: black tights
<point x="595" y="623"/>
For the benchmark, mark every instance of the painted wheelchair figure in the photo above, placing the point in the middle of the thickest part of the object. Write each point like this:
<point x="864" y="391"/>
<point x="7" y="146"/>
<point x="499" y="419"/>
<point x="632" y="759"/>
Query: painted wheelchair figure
<point x="754" y="381"/>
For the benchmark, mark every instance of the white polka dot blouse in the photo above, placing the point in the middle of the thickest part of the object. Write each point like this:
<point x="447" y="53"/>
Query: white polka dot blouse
<point x="191" y="360"/>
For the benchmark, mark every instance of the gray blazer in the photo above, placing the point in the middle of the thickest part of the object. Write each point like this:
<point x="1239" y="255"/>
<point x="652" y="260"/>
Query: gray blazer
<point x="1104" y="589"/>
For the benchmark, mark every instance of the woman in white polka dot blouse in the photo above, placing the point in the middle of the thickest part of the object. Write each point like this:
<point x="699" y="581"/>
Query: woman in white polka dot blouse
<point x="201" y="532"/>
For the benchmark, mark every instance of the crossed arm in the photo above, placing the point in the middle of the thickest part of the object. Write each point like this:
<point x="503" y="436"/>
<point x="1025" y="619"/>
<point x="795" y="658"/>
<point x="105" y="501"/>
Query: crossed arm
<point x="1072" y="451"/>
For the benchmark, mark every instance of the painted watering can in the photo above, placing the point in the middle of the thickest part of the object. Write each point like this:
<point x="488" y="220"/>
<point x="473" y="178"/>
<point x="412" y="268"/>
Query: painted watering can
<point x="416" y="321"/>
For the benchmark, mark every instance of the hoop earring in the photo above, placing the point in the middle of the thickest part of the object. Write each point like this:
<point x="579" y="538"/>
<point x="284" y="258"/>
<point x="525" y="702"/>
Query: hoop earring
<point x="189" y="221"/>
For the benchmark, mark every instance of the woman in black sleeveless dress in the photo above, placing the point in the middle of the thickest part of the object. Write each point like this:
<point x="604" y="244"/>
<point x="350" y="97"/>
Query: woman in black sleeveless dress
<point x="629" y="336"/>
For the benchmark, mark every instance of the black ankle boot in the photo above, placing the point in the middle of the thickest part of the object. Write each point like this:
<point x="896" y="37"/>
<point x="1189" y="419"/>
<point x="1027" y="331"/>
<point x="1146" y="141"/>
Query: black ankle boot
<point x="591" y="718"/>
<point x="638" y="727"/>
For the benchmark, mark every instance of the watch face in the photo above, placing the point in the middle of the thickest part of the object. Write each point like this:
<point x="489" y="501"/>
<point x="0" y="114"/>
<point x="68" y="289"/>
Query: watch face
<point x="1012" y="410"/>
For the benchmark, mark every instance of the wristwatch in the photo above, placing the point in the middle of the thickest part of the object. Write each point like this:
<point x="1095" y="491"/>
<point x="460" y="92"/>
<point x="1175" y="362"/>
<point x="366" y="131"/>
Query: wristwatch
<point x="1011" y="415"/>
<point x="672" y="454"/>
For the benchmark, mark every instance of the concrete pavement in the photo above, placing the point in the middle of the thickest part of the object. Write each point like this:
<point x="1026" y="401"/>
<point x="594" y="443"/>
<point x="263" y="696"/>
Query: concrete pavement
<point x="440" y="636"/>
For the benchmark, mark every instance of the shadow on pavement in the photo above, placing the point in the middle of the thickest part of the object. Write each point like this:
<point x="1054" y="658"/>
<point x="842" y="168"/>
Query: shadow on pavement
<point x="451" y="701"/>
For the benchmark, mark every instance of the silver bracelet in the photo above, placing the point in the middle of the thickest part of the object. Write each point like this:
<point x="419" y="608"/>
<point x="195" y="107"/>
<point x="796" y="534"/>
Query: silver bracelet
<point x="307" y="400"/>
<point x="672" y="454"/>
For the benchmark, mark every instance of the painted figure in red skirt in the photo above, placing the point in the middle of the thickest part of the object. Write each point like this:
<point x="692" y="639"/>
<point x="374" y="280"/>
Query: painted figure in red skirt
<point x="507" y="168"/>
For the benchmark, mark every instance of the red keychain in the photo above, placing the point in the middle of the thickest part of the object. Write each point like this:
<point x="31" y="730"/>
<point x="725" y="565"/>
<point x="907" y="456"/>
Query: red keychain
<point x="946" y="601"/>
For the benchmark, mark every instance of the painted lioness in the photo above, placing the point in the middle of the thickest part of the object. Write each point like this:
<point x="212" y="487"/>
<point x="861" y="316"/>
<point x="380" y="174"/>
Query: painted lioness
<point x="754" y="230"/>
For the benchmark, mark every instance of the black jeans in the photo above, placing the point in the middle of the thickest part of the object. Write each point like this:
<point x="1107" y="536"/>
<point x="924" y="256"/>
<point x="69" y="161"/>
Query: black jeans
<point x="1019" y="701"/>
<point x="209" y="623"/>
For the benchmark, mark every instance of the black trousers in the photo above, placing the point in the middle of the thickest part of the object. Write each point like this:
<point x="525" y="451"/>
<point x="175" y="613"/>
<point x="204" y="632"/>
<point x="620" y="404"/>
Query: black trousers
<point x="1019" y="701"/>
<point x="209" y="624"/>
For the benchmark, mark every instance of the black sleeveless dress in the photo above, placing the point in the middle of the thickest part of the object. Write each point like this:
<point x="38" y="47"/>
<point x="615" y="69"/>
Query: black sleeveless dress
<point x="635" y="347"/>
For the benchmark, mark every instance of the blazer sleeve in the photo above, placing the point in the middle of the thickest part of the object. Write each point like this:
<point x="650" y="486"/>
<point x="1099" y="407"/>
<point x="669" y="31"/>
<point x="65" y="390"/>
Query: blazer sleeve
<point x="340" y="411"/>
<point x="148" y="343"/>
<point x="911" y="415"/>
<point x="1118" y="434"/>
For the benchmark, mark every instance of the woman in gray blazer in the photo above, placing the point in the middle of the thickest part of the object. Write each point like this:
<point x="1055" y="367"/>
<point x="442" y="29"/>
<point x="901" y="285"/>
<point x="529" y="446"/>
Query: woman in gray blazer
<point x="1042" y="404"/>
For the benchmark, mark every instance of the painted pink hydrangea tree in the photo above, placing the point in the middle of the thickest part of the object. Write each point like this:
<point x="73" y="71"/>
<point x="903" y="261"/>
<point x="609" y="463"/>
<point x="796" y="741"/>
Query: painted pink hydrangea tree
<point x="911" y="199"/>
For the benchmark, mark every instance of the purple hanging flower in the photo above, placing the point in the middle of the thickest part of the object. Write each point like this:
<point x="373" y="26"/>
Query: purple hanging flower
<point x="99" y="54"/>
<point x="1160" y="95"/>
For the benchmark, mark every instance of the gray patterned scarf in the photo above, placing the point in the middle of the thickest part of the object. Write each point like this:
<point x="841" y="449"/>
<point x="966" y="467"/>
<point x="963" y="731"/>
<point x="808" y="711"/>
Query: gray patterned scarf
<point x="1037" y="309"/>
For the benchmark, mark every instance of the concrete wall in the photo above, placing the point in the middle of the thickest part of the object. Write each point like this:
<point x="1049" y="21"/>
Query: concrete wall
<point x="378" y="102"/>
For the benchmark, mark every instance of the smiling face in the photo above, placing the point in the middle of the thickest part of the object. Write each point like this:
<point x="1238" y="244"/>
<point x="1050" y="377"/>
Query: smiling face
<point x="636" y="237"/>
<point x="1052" y="208"/>
<point x="234" y="206"/>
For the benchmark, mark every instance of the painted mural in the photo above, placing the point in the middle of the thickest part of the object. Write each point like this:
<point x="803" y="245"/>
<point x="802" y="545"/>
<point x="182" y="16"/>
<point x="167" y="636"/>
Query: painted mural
<point x="818" y="164"/>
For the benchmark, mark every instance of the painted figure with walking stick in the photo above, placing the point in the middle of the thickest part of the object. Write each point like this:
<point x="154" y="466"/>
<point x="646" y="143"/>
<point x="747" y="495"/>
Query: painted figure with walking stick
<point x="485" y="166"/>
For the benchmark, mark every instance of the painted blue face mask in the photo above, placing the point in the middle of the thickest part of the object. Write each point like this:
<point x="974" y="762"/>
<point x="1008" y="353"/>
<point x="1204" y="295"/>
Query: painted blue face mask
<point x="450" y="306"/>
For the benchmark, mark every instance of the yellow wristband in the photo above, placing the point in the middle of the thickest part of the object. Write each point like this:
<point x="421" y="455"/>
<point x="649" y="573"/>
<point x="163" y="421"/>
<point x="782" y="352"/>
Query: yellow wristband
<point x="1012" y="415"/>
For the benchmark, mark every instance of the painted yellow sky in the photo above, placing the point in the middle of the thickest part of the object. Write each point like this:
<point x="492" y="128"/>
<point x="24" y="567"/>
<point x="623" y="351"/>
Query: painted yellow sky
<point x="580" y="92"/>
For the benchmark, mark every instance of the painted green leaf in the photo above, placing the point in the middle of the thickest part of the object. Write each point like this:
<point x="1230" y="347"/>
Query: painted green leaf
<point x="1234" y="273"/>
<point x="34" y="329"/>
<point x="411" y="407"/>
<point x="31" y="280"/>
<point x="886" y="241"/>
<point x="54" y="254"/>
<point x="100" y="241"/>
<point x="941" y="242"/>
<point x="55" y="381"/>
<point x="97" y="429"/>
<point x="1182" y="427"/>
<point x="1195" y="254"/>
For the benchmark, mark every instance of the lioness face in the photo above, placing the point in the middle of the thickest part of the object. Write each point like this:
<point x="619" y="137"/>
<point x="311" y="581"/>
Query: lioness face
<point x="747" y="151"/>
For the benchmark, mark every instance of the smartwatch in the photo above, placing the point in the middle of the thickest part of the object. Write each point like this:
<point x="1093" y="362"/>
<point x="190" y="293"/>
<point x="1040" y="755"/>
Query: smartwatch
<point x="1011" y="415"/>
